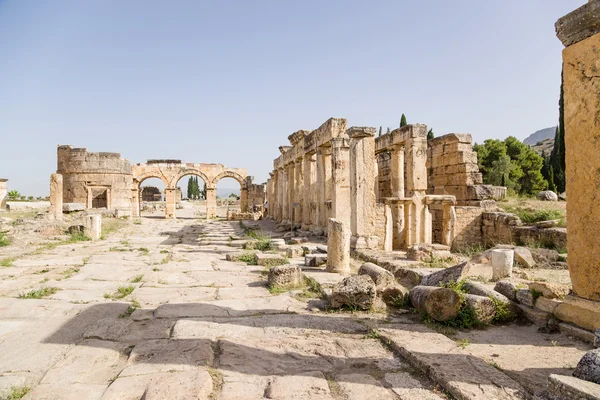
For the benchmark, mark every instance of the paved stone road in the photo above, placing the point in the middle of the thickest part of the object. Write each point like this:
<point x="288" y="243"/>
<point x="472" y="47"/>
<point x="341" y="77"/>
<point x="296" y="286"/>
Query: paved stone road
<point x="205" y="327"/>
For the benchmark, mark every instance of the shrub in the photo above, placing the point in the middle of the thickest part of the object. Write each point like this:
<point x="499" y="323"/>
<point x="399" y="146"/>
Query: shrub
<point x="38" y="294"/>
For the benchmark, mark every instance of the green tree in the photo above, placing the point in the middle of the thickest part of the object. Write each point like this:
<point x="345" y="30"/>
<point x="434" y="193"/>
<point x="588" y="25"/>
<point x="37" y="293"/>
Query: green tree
<point x="488" y="152"/>
<point x="388" y="130"/>
<point x="380" y="131"/>
<point x="14" y="194"/>
<point x="430" y="134"/>
<point x="557" y="156"/>
<point x="203" y="192"/>
<point x="551" y="184"/>
<point x="402" y="121"/>
<point x="500" y="173"/>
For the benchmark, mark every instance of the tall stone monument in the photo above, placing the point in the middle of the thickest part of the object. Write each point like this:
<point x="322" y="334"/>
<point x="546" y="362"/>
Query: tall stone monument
<point x="579" y="31"/>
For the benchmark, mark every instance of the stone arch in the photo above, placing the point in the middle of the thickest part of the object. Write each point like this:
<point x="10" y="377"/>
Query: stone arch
<point x="189" y="171"/>
<point x="230" y="174"/>
<point x="137" y="180"/>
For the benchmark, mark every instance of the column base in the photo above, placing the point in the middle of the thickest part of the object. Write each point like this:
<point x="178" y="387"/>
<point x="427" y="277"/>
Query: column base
<point x="364" y="242"/>
<point x="580" y="312"/>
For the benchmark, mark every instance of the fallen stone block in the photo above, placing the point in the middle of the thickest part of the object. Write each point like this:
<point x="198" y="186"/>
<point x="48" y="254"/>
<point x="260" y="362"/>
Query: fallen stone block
<point x="285" y="276"/>
<point x="580" y="312"/>
<point x="524" y="257"/>
<point x="315" y="260"/>
<point x="73" y="207"/>
<point x="269" y="260"/>
<point x="309" y="249"/>
<point x="293" y="252"/>
<point x="441" y="304"/>
<point x="409" y="277"/>
<point x="355" y="292"/>
<point x="506" y="288"/>
<point x="238" y="255"/>
<point x="539" y="318"/>
<point x="239" y="244"/>
<point x="524" y="296"/>
<point x="549" y="290"/>
<point x="396" y="296"/>
<point x="484" y="309"/>
<point x="547" y="195"/>
<point x="382" y="277"/>
<point x="588" y="367"/>
<point x="547" y="305"/>
<point x="480" y="289"/>
<point x="321" y="248"/>
<point x="576" y="332"/>
<point x="298" y="240"/>
<point x="564" y="387"/>
<point x="278" y="243"/>
<point x="450" y="274"/>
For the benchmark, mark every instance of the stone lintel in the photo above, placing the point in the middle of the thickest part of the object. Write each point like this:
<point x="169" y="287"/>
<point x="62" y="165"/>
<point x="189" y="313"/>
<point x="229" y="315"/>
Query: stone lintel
<point x="452" y="138"/>
<point x="440" y="199"/>
<point x="284" y="149"/>
<point x="295" y="137"/>
<point x="580" y="24"/>
<point x="399" y="137"/>
<point x="397" y="200"/>
<point x="165" y="161"/>
<point x="340" y="142"/>
<point x="3" y="180"/>
<point x="356" y="132"/>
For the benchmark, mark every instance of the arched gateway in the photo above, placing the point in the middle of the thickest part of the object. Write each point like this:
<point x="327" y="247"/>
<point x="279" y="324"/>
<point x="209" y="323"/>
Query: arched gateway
<point x="171" y="171"/>
<point x="105" y="180"/>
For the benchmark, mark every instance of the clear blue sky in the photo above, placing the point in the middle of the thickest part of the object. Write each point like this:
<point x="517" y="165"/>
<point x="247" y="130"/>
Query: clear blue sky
<point x="228" y="81"/>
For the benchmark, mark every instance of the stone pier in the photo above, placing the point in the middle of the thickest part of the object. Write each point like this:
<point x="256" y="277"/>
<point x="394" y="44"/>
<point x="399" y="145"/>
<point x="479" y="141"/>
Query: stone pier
<point x="93" y="226"/>
<point x="579" y="32"/>
<point x="338" y="247"/>
<point x="56" y="196"/>
<point x="3" y="193"/>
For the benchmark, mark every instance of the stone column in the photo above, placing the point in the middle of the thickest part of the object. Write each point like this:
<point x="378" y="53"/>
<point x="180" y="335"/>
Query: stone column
<point x="416" y="161"/>
<point x="274" y="206"/>
<point x="320" y="184"/>
<point x="291" y="183"/>
<point x="338" y="247"/>
<point x="285" y="195"/>
<point x="579" y="31"/>
<point x="270" y="191"/>
<point x="328" y="182"/>
<point x="340" y="180"/>
<point x="244" y="199"/>
<point x="397" y="172"/>
<point x="3" y="194"/>
<point x="362" y="182"/>
<point x="309" y="193"/>
<point x="211" y="202"/>
<point x="56" y="196"/>
<point x="135" y="202"/>
<point x="280" y="194"/>
<point x="171" y="203"/>
<point x="299" y="193"/>
<point x="93" y="226"/>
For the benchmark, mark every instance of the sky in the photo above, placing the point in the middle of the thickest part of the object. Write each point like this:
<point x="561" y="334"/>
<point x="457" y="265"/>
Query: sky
<point x="228" y="81"/>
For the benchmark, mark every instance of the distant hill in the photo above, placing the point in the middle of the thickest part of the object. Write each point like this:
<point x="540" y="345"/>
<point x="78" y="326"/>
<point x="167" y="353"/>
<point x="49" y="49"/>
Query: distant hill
<point x="543" y="146"/>
<point x="540" y="135"/>
<point x="225" y="192"/>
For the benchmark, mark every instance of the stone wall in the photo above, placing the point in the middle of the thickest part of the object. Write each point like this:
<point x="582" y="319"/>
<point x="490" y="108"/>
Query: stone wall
<point x="380" y="222"/>
<point x="257" y="194"/>
<point x="3" y="193"/>
<point x="151" y="193"/>
<point x="466" y="230"/>
<point x="384" y="187"/>
<point x="97" y="180"/>
<point x="498" y="228"/>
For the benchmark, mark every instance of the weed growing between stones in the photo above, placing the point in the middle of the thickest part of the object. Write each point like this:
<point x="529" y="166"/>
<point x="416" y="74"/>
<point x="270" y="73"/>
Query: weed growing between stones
<point x="7" y="262"/>
<point x="143" y="251"/>
<point x="136" y="278"/>
<point x="122" y="292"/>
<point x="535" y="295"/>
<point x="4" y="240"/>
<point x="69" y="272"/>
<point x="463" y="343"/>
<point x="110" y="225"/>
<point x="373" y="333"/>
<point x="438" y="262"/>
<point x="503" y="312"/>
<point x="466" y="318"/>
<point x="15" y="393"/>
<point x="134" y="306"/>
<point x="248" y="258"/>
<point x="78" y="237"/>
<point x="40" y="293"/>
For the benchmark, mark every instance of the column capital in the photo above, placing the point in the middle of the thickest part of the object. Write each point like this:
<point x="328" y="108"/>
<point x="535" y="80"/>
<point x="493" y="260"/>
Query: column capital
<point x="360" y="132"/>
<point x="339" y="143"/>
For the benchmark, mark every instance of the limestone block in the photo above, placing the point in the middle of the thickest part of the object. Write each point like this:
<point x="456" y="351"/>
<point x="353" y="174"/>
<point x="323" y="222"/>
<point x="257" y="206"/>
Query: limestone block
<point x="538" y="317"/>
<point x="285" y="276"/>
<point x="180" y="385"/>
<point x="569" y="387"/>
<point x="502" y="263"/>
<point x="484" y="309"/>
<point x="395" y="295"/>
<point x="524" y="257"/>
<point x="72" y="207"/>
<point x="581" y="312"/>
<point x="315" y="260"/>
<point x="547" y="195"/>
<point x="93" y="226"/>
<point x="455" y="274"/>
<point x="547" y="305"/>
<point x="588" y="367"/>
<point x="441" y="304"/>
<point x="356" y="292"/>
<point x="382" y="277"/>
<point x="269" y="260"/>
<point x="294" y="252"/>
<point x="549" y="290"/>
<point x="525" y="297"/>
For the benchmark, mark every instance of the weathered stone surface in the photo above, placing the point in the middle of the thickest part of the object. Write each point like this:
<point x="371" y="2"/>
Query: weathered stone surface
<point x="190" y="385"/>
<point x="408" y="387"/>
<point x="538" y="317"/>
<point x="315" y="260"/>
<point x="547" y="195"/>
<point x="409" y="277"/>
<point x="502" y="263"/>
<point x="549" y="290"/>
<point x="450" y="274"/>
<point x="285" y="276"/>
<point x="483" y="307"/>
<point x="439" y="303"/>
<point x="547" y="224"/>
<point x="294" y="252"/>
<point x="354" y="292"/>
<point x="354" y="386"/>
<point x="547" y="305"/>
<point x="506" y="288"/>
<point x="395" y="295"/>
<point x="269" y="260"/>
<point x="576" y="332"/>
<point x="298" y="240"/>
<point x="338" y="247"/>
<point x="579" y="24"/>
<point x="524" y="296"/>
<point x="304" y="386"/>
<point x="581" y="312"/>
<point x="588" y="367"/>
<point x="597" y="338"/>
<point x="568" y="387"/>
<point x="72" y="207"/>
<point x="524" y="257"/>
<point x="382" y="277"/>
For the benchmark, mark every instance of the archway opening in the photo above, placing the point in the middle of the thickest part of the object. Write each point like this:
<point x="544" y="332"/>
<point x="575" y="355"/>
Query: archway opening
<point x="192" y="204"/>
<point x="152" y="197"/>
<point x="228" y="196"/>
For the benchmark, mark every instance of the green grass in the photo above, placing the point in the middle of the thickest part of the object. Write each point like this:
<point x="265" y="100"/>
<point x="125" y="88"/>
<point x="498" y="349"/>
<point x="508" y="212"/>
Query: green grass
<point x="137" y="278"/>
<point x="530" y="217"/>
<point x="40" y="293"/>
<point x="4" y="240"/>
<point x="143" y="251"/>
<point x="77" y="237"/>
<point x="110" y="225"/>
<point x="470" y="251"/>
<point x="134" y="306"/>
<point x="503" y="313"/>
<point x="137" y="221"/>
<point x="120" y="293"/>
<point x="248" y="258"/>
<point x="15" y="393"/>
<point x="7" y="262"/>
<point x="70" y="272"/>
<point x="438" y="262"/>
<point x="119" y="249"/>
<point x="535" y="295"/>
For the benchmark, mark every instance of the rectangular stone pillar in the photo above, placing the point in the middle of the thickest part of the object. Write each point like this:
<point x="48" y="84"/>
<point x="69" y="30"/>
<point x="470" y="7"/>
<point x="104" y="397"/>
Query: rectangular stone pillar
<point x="362" y="183"/>
<point x="416" y="161"/>
<point x="338" y="247"/>
<point x="56" y="196"/>
<point x="579" y="31"/>
<point x="291" y="183"/>
<point x="211" y="202"/>
<point x="340" y="180"/>
<point x="171" y="202"/>
<point x="397" y="172"/>
<point x="280" y="194"/>
<point x="320" y="184"/>
<point x="135" y="202"/>
<point x="244" y="200"/>
<point x="328" y="187"/>
<point x="3" y="194"/>
<point x="285" y="195"/>
<point x="93" y="226"/>
<point x="308" y="195"/>
<point x="299" y="193"/>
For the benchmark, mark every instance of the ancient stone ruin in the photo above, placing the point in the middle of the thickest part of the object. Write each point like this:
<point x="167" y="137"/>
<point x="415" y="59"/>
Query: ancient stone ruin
<point x="107" y="181"/>
<point x="3" y="193"/>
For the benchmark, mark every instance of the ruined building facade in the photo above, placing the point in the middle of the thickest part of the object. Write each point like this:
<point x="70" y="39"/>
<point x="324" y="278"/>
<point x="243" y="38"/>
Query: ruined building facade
<point x="392" y="191"/>
<point x="107" y="181"/>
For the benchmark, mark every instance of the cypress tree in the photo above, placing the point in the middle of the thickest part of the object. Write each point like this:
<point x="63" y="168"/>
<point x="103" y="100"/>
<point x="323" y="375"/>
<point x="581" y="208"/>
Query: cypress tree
<point x="557" y="156"/>
<point x="430" y="134"/>
<point x="380" y="131"/>
<point x="189" y="188"/>
<point x="403" y="121"/>
<point x="388" y="130"/>
<point x="551" y="185"/>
